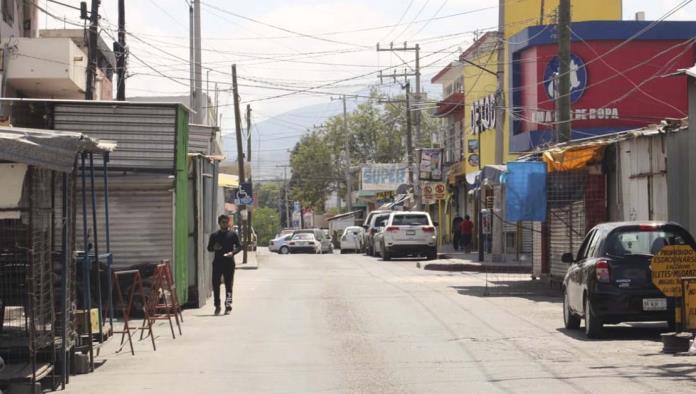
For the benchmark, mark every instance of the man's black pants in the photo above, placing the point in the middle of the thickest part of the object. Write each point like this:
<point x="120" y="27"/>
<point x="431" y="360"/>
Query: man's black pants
<point x="226" y="271"/>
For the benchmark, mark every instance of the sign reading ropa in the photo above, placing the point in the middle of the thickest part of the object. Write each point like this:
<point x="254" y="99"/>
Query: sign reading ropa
<point x="670" y="265"/>
<point x="384" y="177"/>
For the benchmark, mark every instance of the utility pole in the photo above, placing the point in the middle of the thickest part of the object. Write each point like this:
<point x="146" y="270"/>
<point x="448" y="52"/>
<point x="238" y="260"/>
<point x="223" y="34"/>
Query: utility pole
<point x="349" y="181"/>
<point x="120" y="50"/>
<point x="198" y="72"/>
<point x="409" y="134"/>
<point x="564" y="127"/>
<point x="496" y="223"/>
<point x="92" y="50"/>
<point x="285" y="188"/>
<point x="192" y="61"/>
<point x="240" y="148"/>
<point x="346" y="133"/>
<point x="249" y="214"/>
<point x="416" y="74"/>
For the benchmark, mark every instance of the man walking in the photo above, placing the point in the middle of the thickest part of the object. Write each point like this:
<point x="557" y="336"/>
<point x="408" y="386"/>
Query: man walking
<point x="467" y="229"/>
<point x="225" y="243"/>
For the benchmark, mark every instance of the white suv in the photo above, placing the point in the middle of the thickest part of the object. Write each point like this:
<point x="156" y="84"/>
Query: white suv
<point x="409" y="234"/>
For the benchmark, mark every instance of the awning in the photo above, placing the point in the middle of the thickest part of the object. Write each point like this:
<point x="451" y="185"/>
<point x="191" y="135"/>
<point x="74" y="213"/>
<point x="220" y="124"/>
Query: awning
<point x="227" y="180"/>
<point x="572" y="158"/>
<point x="50" y="149"/>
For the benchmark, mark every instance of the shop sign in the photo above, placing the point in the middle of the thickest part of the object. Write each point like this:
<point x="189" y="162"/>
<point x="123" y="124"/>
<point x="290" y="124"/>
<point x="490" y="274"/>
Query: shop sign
<point x="483" y="114"/>
<point x="431" y="164"/>
<point x="578" y="114"/>
<point x="670" y="265"/>
<point x="689" y="291"/>
<point x="380" y="177"/>
<point x="578" y="77"/>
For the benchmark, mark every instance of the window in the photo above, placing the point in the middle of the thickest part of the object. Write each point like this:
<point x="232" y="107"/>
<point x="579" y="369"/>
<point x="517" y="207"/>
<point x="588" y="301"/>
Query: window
<point x="8" y="11"/>
<point x="622" y="243"/>
<point x="594" y="244"/>
<point x="582" y="252"/>
<point x="303" y="237"/>
<point x="381" y="220"/>
<point x="410" y="220"/>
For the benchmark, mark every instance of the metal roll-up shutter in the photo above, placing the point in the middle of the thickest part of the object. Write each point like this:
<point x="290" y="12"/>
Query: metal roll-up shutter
<point x="140" y="222"/>
<point x="566" y="232"/>
<point x="537" y="245"/>
<point x="527" y="237"/>
<point x="145" y="133"/>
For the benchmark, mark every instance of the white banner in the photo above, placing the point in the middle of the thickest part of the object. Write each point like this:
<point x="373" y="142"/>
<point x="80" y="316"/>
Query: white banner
<point x="384" y="177"/>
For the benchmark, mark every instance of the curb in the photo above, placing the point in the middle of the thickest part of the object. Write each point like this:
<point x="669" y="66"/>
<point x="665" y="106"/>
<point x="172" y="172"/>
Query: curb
<point x="252" y="262"/>
<point x="474" y="267"/>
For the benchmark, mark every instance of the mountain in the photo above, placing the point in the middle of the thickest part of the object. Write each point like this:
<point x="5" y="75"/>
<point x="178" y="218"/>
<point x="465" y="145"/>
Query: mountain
<point x="274" y="137"/>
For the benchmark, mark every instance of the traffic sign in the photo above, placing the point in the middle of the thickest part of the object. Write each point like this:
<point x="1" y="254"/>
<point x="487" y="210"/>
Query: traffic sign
<point x="670" y="265"/>
<point x="245" y="195"/>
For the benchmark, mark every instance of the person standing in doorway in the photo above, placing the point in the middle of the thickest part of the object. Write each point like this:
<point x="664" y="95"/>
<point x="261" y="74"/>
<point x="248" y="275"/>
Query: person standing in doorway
<point x="225" y="243"/>
<point x="456" y="232"/>
<point x="467" y="229"/>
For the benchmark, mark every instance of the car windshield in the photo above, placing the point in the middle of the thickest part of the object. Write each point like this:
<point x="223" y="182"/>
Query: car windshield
<point x="304" y="237"/>
<point x="381" y="220"/>
<point x="410" y="220"/>
<point x="645" y="242"/>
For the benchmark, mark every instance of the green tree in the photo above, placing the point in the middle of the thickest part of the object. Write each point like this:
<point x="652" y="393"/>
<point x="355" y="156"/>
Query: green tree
<point x="373" y="133"/>
<point x="268" y="194"/>
<point x="266" y="222"/>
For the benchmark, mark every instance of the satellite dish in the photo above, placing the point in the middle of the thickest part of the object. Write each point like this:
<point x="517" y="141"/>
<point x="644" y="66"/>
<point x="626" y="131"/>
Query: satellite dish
<point x="404" y="188"/>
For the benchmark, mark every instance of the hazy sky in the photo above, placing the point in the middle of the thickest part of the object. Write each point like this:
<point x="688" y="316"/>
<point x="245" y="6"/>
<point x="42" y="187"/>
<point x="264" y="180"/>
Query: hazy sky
<point x="273" y="62"/>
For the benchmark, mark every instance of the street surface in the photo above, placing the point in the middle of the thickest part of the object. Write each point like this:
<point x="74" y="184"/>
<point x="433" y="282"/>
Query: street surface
<point x="351" y="323"/>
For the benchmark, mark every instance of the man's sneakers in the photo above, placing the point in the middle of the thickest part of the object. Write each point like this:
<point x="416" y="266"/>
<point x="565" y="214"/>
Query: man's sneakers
<point x="228" y="303"/>
<point x="217" y="310"/>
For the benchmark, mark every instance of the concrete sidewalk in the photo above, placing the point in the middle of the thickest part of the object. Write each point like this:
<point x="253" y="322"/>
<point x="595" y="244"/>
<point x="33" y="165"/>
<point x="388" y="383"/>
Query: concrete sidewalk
<point x="252" y="261"/>
<point x="458" y="261"/>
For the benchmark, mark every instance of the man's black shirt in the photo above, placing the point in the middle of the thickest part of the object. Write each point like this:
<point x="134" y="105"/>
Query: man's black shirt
<point x="229" y="242"/>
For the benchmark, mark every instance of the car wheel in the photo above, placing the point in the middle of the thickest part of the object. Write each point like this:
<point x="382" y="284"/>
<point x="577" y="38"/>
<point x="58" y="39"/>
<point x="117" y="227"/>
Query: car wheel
<point x="343" y="251"/>
<point x="432" y="254"/>
<point x="570" y="320"/>
<point x="386" y="256"/>
<point x="593" y="325"/>
<point x="284" y="250"/>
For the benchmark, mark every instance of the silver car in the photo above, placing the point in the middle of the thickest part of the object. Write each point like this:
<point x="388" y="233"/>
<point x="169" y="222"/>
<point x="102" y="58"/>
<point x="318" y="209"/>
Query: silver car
<point x="280" y="244"/>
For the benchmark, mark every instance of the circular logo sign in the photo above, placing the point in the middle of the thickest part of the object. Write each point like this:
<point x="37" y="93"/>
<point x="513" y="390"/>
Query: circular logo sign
<point x="440" y="188"/>
<point x="578" y="78"/>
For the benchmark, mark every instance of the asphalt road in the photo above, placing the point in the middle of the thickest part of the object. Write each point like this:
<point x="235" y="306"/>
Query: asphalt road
<point x="350" y="323"/>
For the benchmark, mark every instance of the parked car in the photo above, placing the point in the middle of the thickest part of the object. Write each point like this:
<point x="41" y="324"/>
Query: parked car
<point x="304" y="242"/>
<point x="366" y="225"/>
<point x="280" y="244"/>
<point x="285" y="231"/>
<point x="319" y="235"/>
<point x="376" y="223"/>
<point x="609" y="281"/>
<point x="378" y="240"/>
<point x="352" y="238"/>
<point x="409" y="234"/>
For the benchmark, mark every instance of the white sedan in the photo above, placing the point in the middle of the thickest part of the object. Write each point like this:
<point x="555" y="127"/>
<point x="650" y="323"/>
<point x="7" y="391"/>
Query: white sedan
<point x="351" y="240"/>
<point x="279" y="244"/>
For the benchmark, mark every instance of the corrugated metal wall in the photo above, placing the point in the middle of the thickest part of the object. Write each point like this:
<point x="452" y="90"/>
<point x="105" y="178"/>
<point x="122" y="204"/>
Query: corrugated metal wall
<point x="678" y="178"/>
<point x="566" y="232"/>
<point x="145" y="134"/>
<point x="643" y="178"/>
<point x="200" y="138"/>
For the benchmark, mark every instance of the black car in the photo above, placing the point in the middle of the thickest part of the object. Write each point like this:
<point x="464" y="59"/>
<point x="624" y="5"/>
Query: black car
<point x="610" y="281"/>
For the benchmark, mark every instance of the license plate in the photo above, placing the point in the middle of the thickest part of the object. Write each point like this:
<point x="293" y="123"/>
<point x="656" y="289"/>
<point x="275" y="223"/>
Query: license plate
<point x="654" y="304"/>
<point x="410" y="232"/>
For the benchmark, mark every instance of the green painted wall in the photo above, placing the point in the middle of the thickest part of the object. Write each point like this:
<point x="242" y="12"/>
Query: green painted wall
<point x="181" y="254"/>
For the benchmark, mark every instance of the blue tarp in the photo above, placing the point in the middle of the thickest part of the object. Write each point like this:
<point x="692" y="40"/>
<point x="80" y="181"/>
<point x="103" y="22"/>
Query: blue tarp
<point x="525" y="191"/>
